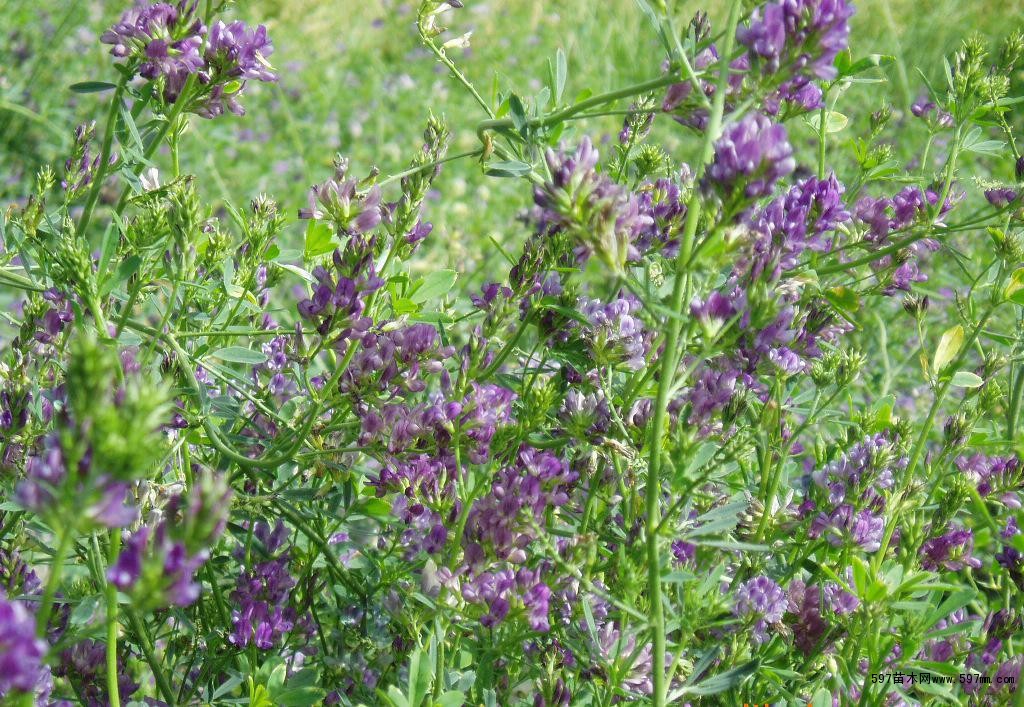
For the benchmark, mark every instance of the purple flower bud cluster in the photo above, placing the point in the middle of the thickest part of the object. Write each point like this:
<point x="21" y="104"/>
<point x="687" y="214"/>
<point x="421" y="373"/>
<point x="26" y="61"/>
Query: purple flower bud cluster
<point x="264" y="616"/>
<point x="80" y="167"/>
<point x="762" y="602"/>
<point x="170" y="44"/>
<point x="798" y="36"/>
<point x="339" y="202"/>
<point x="951" y="550"/>
<point x="506" y="520"/>
<point x="600" y="215"/>
<point x="1001" y="197"/>
<point x="98" y="498"/>
<point x="924" y="108"/>
<point x="22" y="653"/>
<point x="849" y="494"/>
<point x="55" y="319"/>
<point x="614" y="333"/>
<point x="998" y="477"/>
<point x="750" y="157"/>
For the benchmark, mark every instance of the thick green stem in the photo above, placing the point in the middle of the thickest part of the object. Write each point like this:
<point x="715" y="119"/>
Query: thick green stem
<point x="669" y="362"/>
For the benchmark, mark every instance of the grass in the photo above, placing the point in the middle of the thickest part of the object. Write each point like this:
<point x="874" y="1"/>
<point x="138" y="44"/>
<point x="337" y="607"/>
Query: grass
<point x="355" y="81"/>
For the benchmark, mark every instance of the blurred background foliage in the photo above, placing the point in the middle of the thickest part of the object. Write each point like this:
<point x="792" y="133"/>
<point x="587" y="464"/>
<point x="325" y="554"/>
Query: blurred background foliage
<point x="355" y="81"/>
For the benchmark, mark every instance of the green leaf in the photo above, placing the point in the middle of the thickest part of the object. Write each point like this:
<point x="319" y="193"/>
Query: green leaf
<point x="956" y="600"/>
<point x="452" y="698"/>
<point x="435" y="285"/>
<point x="871" y="61"/>
<point x="966" y="379"/>
<point x="508" y="168"/>
<point x="822" y="698"/>
<point x="239" y="354"/>
<point x="843" y="298"/>
<point x="949" y="346"/>
<point x="517" y="112"/>
<point x="92" y="86"/>
<point x="561" y="71"/>
<point x="834" y="121"/>
<point x="719" y="683"/>
<point x="1015" y="285"/>
<point x="319" y="239"/>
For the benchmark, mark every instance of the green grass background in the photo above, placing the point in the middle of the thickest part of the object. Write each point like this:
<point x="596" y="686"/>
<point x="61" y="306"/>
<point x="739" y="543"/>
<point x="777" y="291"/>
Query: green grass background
<point x="354" y="80"/>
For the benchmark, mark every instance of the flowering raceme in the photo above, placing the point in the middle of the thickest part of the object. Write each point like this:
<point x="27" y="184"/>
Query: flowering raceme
<point x="642" y="425"/>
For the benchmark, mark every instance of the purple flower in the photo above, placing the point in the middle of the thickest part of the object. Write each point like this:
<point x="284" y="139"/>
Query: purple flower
<point x="762" y="601"/>
<point x="21" y="653"/>
<point x="801" y="36"/>
<point x="85" y="663"/>
<point x="839" y="600"/>
<point x="808" y="626"/>
<point x="752" y="154"/>
<point x="167" y="39"/>
<point x="1000" y="477"/>
<point x="952" y="551"/>
<point x="601" y="215"/>
<point x="1001" y="197"/>
<point x="615" y="333"/>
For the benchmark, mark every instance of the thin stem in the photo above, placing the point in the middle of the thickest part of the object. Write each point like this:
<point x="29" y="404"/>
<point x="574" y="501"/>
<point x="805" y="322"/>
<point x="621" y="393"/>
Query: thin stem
<point x="111" y="590"/>
<point x="162" y="684"/>
<point x="101" y="169"/>
<point x="65" y="537"/>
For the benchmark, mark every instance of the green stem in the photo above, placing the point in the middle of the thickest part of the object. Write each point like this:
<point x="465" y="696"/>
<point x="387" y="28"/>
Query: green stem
<point x="112" y="688"/>
<point x="101" y="169"/>
<point x="162" y="684"/>
<point x="669" y="362"/>
<point x="64" y="541"/>
<point x="592" y="102"/>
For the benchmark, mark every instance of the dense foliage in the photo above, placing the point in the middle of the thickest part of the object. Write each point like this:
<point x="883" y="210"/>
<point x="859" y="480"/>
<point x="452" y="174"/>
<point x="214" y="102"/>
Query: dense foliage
<point x="736" y="423"/>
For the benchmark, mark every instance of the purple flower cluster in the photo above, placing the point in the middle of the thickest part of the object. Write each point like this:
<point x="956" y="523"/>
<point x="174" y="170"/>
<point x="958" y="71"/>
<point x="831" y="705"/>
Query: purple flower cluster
<point x="998" y="477"/>
<point x="794" y="223"/>
<point x="951" y="550"/>
<point x="336" y="306"/>
<point x="883" y="217"/>
<point x="170" y="43"/>
<point x="750" y="157"/>
<point x="22" y="668"/>
<point x="264" y="616"/>
<point x="85" y="665"/>
<point x="798" y="36"/>
<point x="395" y="361"/>
<point x="99" y="499"/>
<point x="761" y="601"/>
<point x="851" y="494"/>
<point x="167" y="558"/>
<point x="614" y="333"/>
<point x="500" y="590"/>
<point x="599" y="214"/>
<point x="505" y="520"/>
<point x="339" y="202"/>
